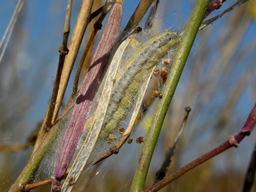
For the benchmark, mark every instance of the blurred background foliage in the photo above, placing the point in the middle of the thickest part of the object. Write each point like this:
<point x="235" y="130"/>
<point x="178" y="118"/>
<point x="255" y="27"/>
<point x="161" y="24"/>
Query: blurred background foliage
<point x="218" y="83"/>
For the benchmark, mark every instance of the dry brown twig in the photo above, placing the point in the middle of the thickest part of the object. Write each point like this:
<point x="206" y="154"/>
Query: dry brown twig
<point x="50" y="116"/>
<point x="160" y="174"/>
<point x="82" y="21"/>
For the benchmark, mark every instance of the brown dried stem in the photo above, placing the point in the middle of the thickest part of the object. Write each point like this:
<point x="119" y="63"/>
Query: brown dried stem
<point x="74" y="45"/>
<point x="138" y="14"/>
<point x="50" y="117"/>
<point x="160" y="174"/>
<point x="31" y="186"/>
<point x="12" y="148"/>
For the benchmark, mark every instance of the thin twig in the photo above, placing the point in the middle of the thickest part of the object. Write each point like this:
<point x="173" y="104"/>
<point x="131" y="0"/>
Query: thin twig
<point x="160" y="174"/>
<point x="50" y="117"/>
<point x="152" y="14"/>
<point x="215" y="4"/>
<point x="70" y="101"/>
<point x="12" y="148"/>
<point x="10" y="27"/>
<point x="31" y="186"/>
<point x="233" y="141"/>
<point x="17" y="147"/>
<point x="138" y="14"/>
<point x="95" y="13"/>
<point x="210" y="21"/>
<point x="63" y="52"/>
<point x="74" y="44"/>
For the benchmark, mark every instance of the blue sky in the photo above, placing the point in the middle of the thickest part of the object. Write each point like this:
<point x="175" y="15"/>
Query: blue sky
<point x="42" y="35"/>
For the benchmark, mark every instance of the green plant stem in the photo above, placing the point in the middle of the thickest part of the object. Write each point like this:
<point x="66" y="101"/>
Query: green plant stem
<point x="177" y="67"/>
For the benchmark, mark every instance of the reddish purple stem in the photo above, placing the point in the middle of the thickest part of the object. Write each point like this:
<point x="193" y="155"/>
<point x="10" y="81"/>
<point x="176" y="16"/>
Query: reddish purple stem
<point x="250" y="123"/>
<point x="232" y="142"/>
<point x="215" y="4"/>
<point x="86" y="94"/>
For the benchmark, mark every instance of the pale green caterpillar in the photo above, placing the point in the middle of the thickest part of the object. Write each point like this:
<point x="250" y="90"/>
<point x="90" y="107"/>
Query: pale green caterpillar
<point x="132" y="75"/>
<point x="118" y="93"/>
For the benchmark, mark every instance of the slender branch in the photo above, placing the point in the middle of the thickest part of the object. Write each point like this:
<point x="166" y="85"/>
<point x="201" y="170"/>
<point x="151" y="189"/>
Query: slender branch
<point x="31" y="186"/>
<point x="95" y="13"/>
<point x="152" y="14"/>
<point x="215" y="4"/>
<point x="168" y="92"/>
<point x="12" y="21"/>
<point x="74" y="45"/>
<point x="12" y="148"/>
<point x="211" y="20"/>
<point x="10" y="27"/>
<point x="63" y="52"/>
<point x="233" y="141"/>
<point x="160" y="174"/>
<point x="50" y="117"/>
<point x="138" y="14"/>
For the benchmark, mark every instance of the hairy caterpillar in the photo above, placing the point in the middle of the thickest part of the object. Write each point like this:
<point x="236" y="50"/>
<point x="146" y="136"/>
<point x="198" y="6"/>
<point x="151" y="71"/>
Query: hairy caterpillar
<point x="118" y="93"/>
